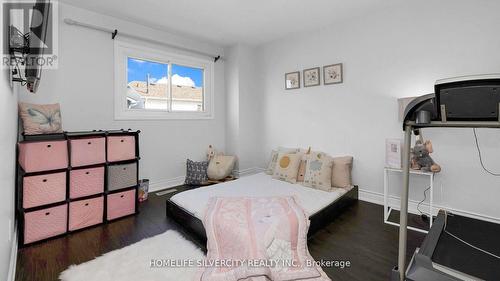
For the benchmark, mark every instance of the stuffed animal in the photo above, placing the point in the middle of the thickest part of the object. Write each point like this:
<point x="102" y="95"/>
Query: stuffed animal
<point x="421" y="159"/>
<point x="220" y="167"/>
<point x="211" y="152"/>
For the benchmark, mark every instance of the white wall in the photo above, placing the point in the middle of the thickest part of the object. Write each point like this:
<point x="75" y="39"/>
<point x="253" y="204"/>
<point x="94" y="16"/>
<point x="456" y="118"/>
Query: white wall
<point x="8" y="139"/>
<point x="251" y="152"/>
<point x="243" y="107"/>
<point x="389" y="54"/>
<point x="231" y="66"/>
<point x="83" y="84"/>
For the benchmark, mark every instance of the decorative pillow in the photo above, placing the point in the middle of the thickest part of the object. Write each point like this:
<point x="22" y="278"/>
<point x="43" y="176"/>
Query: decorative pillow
<point x="287" y="167"/>
<point x="220" y="167"/>
<point x="40" y="118"/>
<point x="302" y="166"/>
<point x="196" y="172"/>
<point x="319" y="171"/>
<point x="272" y="162"/>
<point x="342" y="172"/>
<point x="302" y="170"/>
<point x="274" y="157"/>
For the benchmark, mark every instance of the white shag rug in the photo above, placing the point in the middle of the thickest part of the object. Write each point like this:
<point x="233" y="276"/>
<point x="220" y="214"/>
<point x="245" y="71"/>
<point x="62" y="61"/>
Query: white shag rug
<point x="133" y="262"/>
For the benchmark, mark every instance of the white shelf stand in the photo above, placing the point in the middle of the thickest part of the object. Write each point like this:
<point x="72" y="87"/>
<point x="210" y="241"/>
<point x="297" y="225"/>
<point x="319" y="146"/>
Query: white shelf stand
<point x="388" y="209"/>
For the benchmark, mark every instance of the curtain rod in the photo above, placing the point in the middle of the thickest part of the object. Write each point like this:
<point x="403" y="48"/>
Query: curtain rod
<point x="114" y="33"/>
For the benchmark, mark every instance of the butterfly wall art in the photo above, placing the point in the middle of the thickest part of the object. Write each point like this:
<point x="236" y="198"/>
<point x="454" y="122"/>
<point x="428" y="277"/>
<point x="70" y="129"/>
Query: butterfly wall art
<point x="41" y="118"/>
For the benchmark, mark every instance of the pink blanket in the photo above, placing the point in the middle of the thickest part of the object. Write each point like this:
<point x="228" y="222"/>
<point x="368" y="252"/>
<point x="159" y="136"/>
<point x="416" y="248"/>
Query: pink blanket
<point x="257" y="239"/>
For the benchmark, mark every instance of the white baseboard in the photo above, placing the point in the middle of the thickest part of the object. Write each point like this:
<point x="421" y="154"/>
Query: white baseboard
<point x="394" y="201"/>
<point x="371" y="196"/>
<point x="249" y="171"/>
<point x="165" y="184"/>
<point x="13" y="257"/>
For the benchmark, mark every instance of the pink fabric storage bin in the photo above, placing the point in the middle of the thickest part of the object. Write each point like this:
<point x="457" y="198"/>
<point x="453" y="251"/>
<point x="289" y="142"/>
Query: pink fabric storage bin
<point x="86" y="213"/>
<point x="43" y="156"/>
<point x="42" y="224"/>
<point x="121" y="148"/>
<point x="85" y="182"/>
<point x="87" y="151"/>
<point x="44" y="189"/>
<point x="121" y="204"/>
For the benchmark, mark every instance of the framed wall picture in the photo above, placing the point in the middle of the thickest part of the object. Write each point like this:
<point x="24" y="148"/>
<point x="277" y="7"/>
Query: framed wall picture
<point x="311" y="77"/>
<point x="333" y="74"/>
<point x="292" y="80"/>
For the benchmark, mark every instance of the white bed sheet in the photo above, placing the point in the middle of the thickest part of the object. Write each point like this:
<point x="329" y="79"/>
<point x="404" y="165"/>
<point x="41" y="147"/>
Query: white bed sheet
<point x="258" y="185"/>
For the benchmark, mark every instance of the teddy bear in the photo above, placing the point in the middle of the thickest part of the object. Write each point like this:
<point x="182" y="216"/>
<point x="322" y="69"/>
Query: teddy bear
<point x="421" y="159"/>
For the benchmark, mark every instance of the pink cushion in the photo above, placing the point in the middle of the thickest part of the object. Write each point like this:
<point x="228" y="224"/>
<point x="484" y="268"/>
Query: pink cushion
<point x="121" y="148"/>
<point x="45" y="223"/>
<point x="44" y="189"/>
<point x="85" y="182"/>
<point x="121" y="204"/>
<point x="342" y="172"/>
<point x="34" y="156"/>
<point x="88" y="151"/>
<point x="86" y="213"/>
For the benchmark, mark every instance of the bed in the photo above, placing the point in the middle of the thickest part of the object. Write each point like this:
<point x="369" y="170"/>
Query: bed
<point x="187" y="207"/>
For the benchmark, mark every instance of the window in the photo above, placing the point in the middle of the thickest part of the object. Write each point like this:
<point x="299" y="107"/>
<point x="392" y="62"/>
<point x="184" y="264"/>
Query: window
<point x="151" y="84"/>
<point x="147" y="85"/>
<point x="187" y="88"/>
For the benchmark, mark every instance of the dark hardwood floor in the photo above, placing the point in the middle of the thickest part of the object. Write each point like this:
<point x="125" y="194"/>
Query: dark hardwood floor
<point x="413" y="221"/>
<point x="358" y="236"/>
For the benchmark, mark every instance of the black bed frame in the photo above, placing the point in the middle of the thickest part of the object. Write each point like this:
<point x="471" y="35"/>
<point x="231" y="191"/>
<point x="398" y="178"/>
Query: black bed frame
<point x="318" y="221"/>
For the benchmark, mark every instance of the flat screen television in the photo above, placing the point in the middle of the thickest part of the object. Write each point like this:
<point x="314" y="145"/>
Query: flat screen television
<point x="36" y="40"/>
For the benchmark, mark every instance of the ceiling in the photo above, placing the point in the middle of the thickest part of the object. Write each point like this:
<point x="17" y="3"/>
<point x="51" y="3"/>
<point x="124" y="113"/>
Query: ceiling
<point x="227" y="22"/>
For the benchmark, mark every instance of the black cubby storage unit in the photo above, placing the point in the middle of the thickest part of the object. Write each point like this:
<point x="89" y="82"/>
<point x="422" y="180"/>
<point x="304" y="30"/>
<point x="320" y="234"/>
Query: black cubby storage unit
<point x="75" y="180"/>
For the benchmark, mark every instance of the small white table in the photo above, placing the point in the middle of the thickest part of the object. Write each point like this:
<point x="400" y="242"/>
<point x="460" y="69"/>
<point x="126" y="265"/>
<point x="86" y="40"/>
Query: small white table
<point x="388" y="209"/>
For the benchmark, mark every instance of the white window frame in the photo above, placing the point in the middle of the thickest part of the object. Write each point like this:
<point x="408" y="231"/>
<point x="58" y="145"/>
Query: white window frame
<point x="124" y="50"/>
